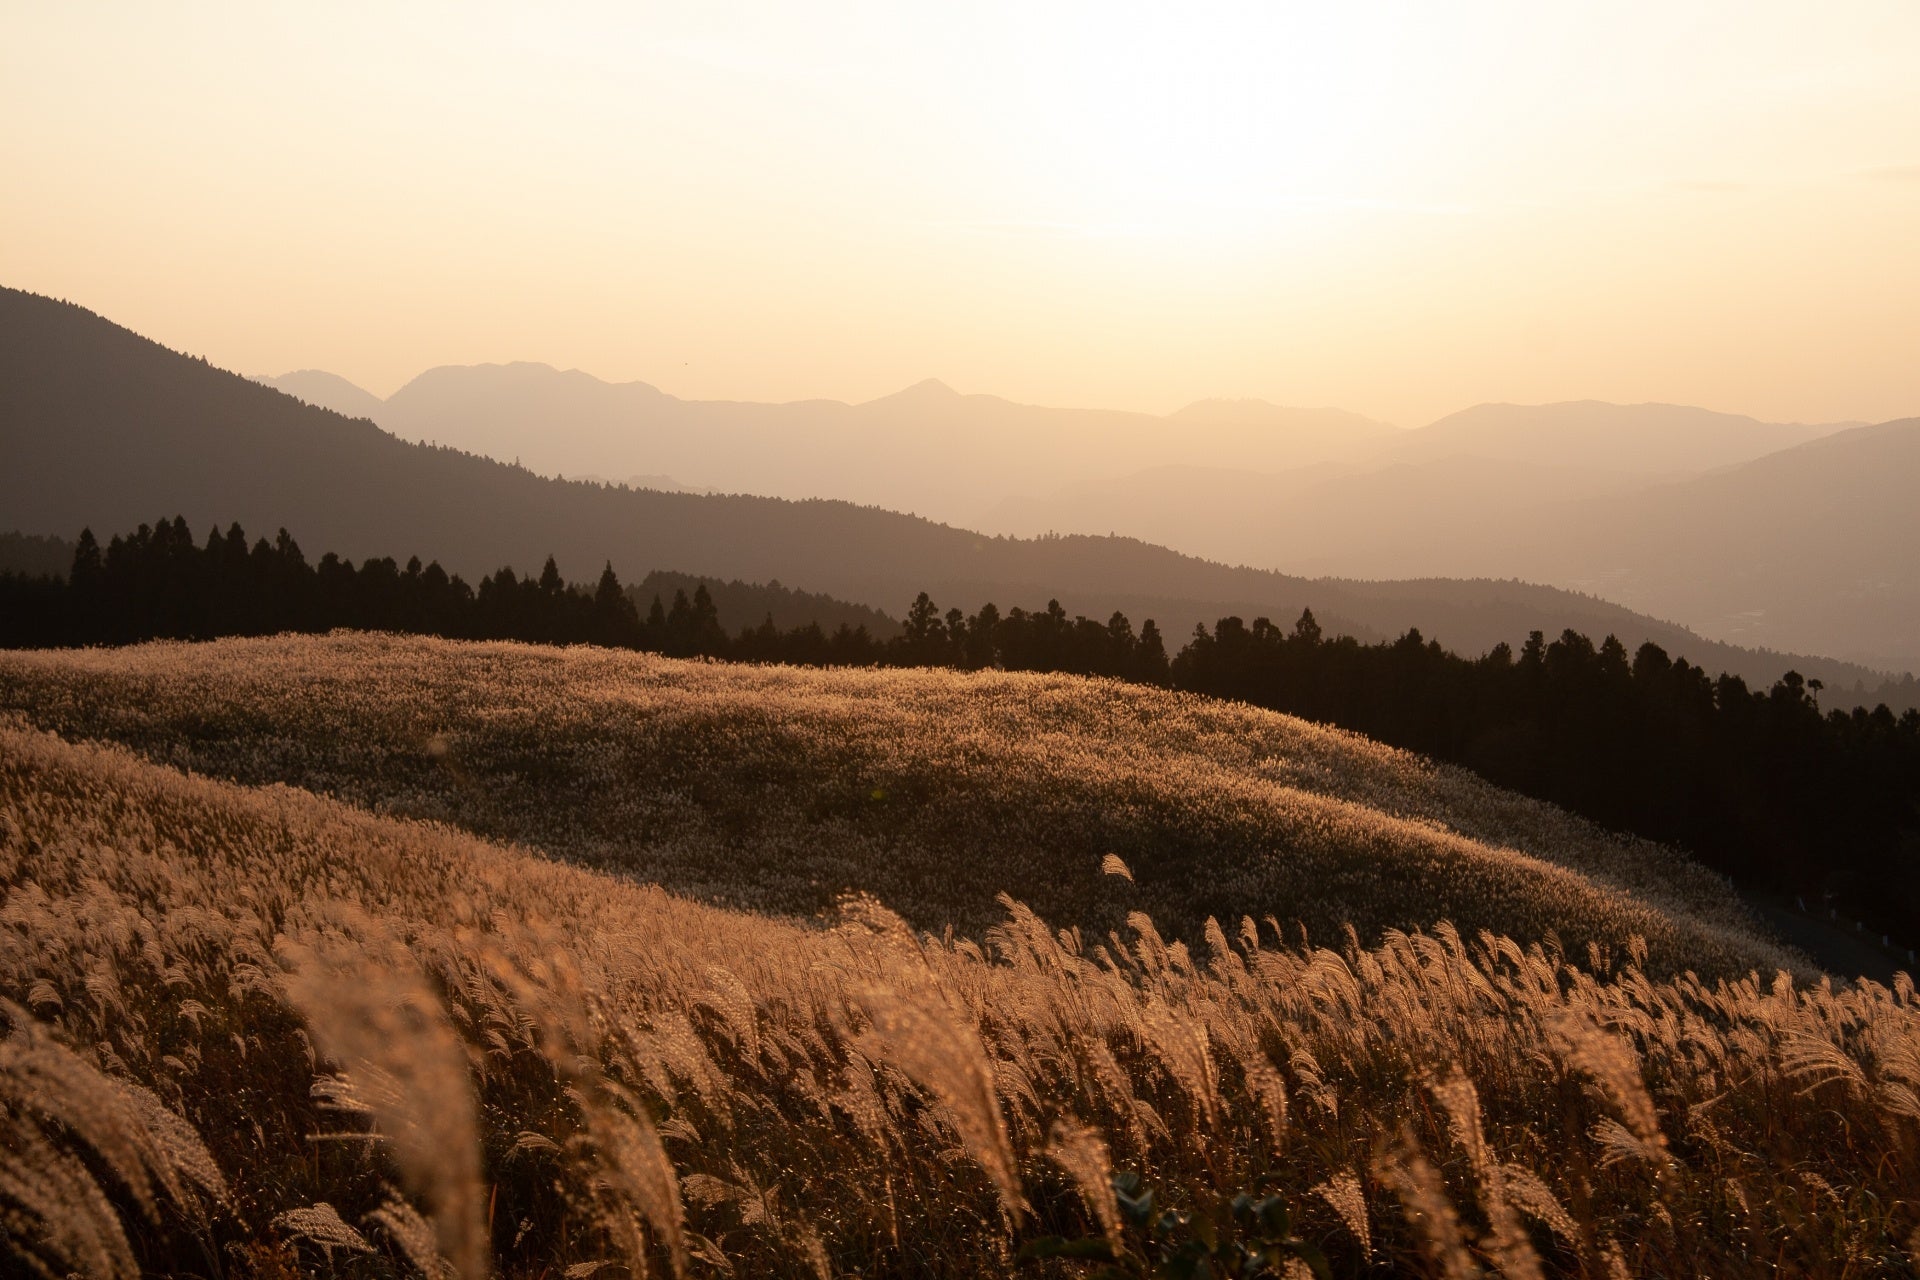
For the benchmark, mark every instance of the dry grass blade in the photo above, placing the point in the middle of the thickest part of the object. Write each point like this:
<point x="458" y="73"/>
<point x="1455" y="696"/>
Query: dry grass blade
<point x="320" y="1224"/>
<point x="1508" y="1244"/>
<point x="627" y="1158"/>
<point x="1815" y="1060"/>
<point x="1080" y="1151"/>
<point x="636" y="1166"/>
<point x="58" y="1115"/>
<point x="57" y="1220"/>
<point x="1534" y="1198"/>
<point x="924" y="1038"/>
<point x="1349" y="1199"/>
<point x="413" y="1236"/>
<point x="372" y="1012"/>
<point x="1423" y="1199"/>
<point x="1612" y="1065"/>
<point x="1269" y="1090"/>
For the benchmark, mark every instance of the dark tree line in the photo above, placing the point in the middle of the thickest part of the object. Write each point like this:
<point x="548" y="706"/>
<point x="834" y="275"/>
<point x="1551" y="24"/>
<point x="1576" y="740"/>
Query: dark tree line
<point x="157" y="583"/>
<point x="1759" y="783"/>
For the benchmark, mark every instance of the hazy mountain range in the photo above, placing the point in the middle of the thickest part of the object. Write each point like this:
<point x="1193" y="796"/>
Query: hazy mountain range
<point x="1782" y="535"/>
<point x="990" y="462"/>
<point x="927" y="450"/>
<point x="101" y="427"/>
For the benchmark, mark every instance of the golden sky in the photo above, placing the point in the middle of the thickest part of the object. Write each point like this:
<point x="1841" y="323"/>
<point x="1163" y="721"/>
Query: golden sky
<point x="1397" y="209"/>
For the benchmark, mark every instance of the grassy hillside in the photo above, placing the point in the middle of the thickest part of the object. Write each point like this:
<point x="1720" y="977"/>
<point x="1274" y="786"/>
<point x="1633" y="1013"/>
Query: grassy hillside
<point x="259" y="1032"/>
<point x="101" y="427"/>
<point x="780" y="788"/>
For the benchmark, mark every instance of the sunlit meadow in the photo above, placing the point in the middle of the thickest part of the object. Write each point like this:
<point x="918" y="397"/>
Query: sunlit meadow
<point x="446" y="1019"/>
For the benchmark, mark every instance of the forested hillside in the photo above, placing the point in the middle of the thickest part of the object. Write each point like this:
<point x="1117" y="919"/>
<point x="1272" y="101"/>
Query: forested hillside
<point x="34" y="555"/>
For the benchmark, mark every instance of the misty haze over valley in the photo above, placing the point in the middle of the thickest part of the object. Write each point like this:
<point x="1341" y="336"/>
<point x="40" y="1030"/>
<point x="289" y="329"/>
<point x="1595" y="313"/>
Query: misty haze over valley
<point x="1785" y="536"/>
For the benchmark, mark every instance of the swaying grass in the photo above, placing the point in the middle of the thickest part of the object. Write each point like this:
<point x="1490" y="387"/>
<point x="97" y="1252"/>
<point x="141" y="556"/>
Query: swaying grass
<point x="303" y="1037"/>
<point x="780" y="789"/>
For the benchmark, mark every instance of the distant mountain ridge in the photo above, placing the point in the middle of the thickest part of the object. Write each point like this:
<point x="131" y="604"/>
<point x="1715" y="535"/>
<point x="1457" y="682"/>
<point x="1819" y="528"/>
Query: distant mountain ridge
<point x="1815" y="546"/>
<point x="926" y="448"/>
<point x="328" y="391"/>
<point x="1660" y="439"/>
<point x="572" y="415"/>
<point x="1551" y="493"/>
<point x="101" y="427"/>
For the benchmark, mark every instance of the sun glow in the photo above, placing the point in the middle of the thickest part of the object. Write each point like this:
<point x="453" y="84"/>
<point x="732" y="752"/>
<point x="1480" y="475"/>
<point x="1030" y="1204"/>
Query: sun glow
<point x="1375" y="205"/>
<point x="1161" y="120"/>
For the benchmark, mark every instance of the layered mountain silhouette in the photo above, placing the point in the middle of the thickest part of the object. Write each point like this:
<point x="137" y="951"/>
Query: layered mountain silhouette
<point x="1815" y="546"/>
<point x="1592" y="435"/>
<point x="927" y="449"/>
<point x="101" y="427"/>
<point x="1567" y="494"/>
<point x="329" y="390"/>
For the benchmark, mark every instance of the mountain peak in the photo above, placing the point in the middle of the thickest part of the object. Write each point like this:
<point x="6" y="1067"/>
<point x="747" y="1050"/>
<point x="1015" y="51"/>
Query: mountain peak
<point x="327" y="390"/>
<point x="925" y="394"/>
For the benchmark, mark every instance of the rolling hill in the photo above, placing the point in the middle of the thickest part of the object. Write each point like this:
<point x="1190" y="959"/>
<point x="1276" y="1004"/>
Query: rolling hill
<point x="100" y="427"/>
<point x="296" y="1027"/>
<point x="781" y="789"/>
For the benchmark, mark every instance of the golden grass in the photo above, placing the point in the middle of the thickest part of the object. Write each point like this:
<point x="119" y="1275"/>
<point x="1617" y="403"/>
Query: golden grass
<point x="780" y="789"/>
<point x="407" y="1047"/>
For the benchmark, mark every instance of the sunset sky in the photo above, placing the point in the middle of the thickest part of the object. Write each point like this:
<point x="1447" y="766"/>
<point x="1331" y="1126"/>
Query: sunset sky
<point x="1396" y="209"/>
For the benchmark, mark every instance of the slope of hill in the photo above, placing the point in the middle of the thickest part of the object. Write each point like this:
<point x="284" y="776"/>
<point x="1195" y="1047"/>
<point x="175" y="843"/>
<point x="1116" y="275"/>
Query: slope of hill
<point x="1450" y="516"/>
<point x="933" y="790"/>
<point x="1825" y="538"/>
<point x="312" y="1040"/>
<point x="900" y="451"/>
<point x="1810" y="548"/>
<point x="327" y="391"/>
<point x="101" y="427"/>
<point x="1591" y="435"/>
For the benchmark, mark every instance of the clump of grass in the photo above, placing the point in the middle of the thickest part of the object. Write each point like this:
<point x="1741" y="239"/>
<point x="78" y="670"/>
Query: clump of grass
<point x="372" y="1013"/>
<point x="82" y="1149"/>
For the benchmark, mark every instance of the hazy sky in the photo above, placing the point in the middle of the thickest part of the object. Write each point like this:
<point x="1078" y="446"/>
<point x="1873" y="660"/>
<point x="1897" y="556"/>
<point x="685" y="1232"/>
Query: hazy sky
<point x="1398" y="209"/>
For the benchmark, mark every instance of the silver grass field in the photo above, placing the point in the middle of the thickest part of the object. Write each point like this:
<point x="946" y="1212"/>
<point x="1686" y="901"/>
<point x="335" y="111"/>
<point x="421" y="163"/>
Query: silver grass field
<point x="367" y="956"/>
